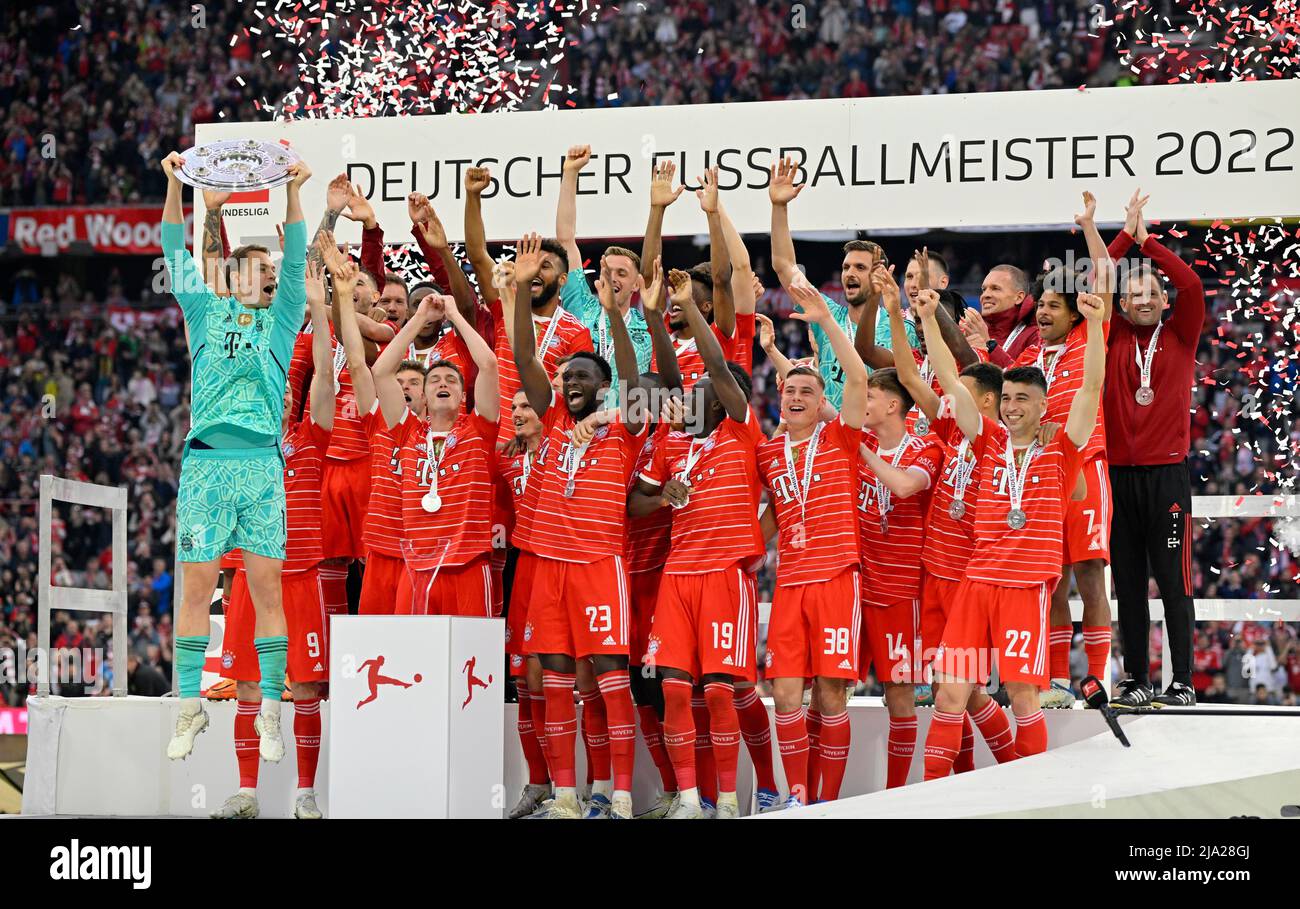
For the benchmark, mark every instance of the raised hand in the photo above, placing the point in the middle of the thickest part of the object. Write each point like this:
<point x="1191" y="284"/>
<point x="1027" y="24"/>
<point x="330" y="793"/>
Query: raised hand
<point x="759" y="289"/>
<point x="359" y="207"/>
<point x="477" y="179"/>
<point x="922" y="268"/>
<point x="766" y="332"/>
<point x="1089" y="210"/>
<point x="673" y="413"/>
<point x="170" y="164"/>
<point x="975" y="329"/>
<point x="885" y="286"/>
<point x="315" y="282"/>
<point x="1134" y="216"/>
<point x="605" y="288"/>
<point x="301" y="174"/>
<point x="418" y="208"/>
<point x="528" y="259"/>
<point x="782" y="188"/>
<point x="214" y="199"/>
<point x="577" y="158"/>
<point x="810" y="301"/>
<point x="708" y="191"/>
<point x="652" y="298"/>
<point x="338" y="193"/>
<point x="680" y="284"/>
<point x="279" y="235"/>
<point x="927" y="303"/>
<point x="1092" y="307"/>
<point x="585" y="430"/>
<point x="662" y="193"/>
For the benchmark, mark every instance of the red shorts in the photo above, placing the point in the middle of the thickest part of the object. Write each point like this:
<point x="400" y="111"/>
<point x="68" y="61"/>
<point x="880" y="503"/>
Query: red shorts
<point x="814" y="629"/>
<point x="1087" y="521"/>
<point x="1012" y="619"/>
<point x="518" y="634"/>
<point x="344" y="494"/>
<point x="578" y="608"/>
<point x="643" y="588"/>
<point x="379" y="584"/>
<point x="894" y="632"/>
<point x="498" y="581"/>
<point x="454" y="590"/>
<point x="304" y="617"/>
<point x="704" y="624"/>
<point x="937" y="596"/>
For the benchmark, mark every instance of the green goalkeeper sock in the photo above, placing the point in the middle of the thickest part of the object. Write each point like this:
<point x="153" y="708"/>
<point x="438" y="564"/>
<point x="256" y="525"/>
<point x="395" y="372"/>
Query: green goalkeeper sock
<point x="189" y="663"/>
<point x="272" y="653"/>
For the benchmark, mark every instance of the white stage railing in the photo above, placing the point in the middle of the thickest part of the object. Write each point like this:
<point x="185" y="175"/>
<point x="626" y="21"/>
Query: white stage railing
<point x="49" y="597"/>
<point x="1207" y="610"/>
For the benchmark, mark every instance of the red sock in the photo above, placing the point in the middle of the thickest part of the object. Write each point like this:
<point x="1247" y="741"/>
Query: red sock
<point x="1096" y="644"/>
<point x="942" y="743"/>
<point x="246" y="742"/>
<point x="306" y="740"/>
<point x="996" y="730"/>
<point x="538" y="699"/>
<point x="528" y="740"/>
<point x="652" y="732"/>
<point x="966" y="757"/>
<point x="902" y="743"/>
<point x="792" y="737"/>
<point x="756" y="728"/>
<point x="724" y="732"/>
<point x="561" y="726"/>
<point x="616" y="692"/>
<point x="595" y="734"/>
<point x="1058" y="651"/>
<point x="679" y="731"/>
<point x="836" y="733"/>
<point x="334" y="588"/>
<point x="706" y="768"/>
<point x="1031" y="734"/>
<point x="813" y="720"/>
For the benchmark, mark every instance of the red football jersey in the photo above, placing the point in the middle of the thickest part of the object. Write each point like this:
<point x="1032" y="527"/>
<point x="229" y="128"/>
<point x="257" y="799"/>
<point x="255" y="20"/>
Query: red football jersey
<point x="382" y="531"/>
<point x="464" y="460"/>
<point x="892" y="558"/>
<point x="691" y="364"/>
<point x="556" y="338"/>
<point x="304" y="448"/>
<point x="819" y="538"/>
<point x="1031" y="555"/>
<point x="718" y="526"/>
<point x="1063" y="366"/>
<point x="649" y="536"/>
<point x="348" y="441"/>
<point x="950" y="541"/>
<point x="591" y="523"/>
<point x="513" y="474"/>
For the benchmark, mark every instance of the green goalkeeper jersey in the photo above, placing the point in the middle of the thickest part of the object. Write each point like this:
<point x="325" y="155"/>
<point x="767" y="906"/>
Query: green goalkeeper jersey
<point x="829" y="365"/>
<point x="239" y="356"/>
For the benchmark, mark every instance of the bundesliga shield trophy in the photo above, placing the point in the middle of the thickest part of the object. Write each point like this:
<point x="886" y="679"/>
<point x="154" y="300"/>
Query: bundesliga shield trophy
<point x="237" y="165"/>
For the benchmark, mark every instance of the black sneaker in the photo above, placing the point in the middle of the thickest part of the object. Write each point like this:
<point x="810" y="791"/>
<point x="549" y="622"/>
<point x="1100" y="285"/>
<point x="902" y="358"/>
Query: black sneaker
<point x="1132" y="695"/>
<point x="1176" y="695"/>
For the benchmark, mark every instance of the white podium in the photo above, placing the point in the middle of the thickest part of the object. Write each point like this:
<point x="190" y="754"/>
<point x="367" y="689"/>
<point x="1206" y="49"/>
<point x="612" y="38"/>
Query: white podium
<point x="417" y="719"/>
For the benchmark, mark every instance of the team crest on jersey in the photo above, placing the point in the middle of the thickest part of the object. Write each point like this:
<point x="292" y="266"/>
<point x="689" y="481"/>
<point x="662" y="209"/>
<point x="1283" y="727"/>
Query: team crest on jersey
<point x="652" y="645"/>
<point x="516" y="661"/>
<point x="187" y="541"/>
<point x="450" y="443"/>
<point x="528" y="631"/>
<point x="767" y="659"/>
<point x="227" y="659"/>
<point x="245" y="319"/>
<point x="708" y="445"/>
<point x="507" y="634"/>
<point x="289" y="449"/>
<point x="600" y="434"/>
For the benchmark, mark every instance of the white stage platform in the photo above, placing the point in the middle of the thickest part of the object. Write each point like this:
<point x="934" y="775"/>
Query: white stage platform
<point x="1181" y="765"/>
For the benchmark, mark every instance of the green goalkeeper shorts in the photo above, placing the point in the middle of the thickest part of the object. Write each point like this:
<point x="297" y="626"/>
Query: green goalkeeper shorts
<point x="230" y="498"/>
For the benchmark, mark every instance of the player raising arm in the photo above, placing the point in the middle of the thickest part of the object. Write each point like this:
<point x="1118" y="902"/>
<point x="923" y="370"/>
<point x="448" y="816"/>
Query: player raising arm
<point x="578" y="607"/>
<point x="704" y="618"/>
<point x="1024" y="491"/>
<point x="811" y="476"/>
<point x="232" y="482"/>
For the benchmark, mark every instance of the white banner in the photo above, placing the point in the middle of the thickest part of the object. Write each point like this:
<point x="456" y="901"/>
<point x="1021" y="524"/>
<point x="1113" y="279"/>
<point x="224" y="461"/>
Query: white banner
<point x="938" y="161"/>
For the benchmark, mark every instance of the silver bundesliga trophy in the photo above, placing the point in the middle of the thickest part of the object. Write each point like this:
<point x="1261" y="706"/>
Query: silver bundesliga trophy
<point x="237" y="165"/>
